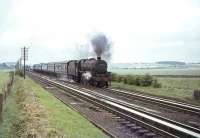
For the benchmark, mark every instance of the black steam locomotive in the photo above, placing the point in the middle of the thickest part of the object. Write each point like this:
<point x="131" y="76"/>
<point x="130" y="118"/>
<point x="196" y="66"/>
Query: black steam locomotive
<point x="86" y="71"/>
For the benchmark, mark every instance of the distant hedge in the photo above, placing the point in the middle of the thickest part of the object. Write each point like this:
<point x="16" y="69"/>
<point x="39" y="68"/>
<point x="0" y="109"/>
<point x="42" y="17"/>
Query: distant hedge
<point x="146" y="80"/>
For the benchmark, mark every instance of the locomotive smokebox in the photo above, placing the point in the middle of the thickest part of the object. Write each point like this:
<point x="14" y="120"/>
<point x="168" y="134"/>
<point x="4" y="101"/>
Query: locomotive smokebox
<point x="98" y="58"/>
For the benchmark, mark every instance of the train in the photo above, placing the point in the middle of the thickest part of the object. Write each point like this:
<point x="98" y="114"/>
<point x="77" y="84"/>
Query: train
<point x="84" y="71"/>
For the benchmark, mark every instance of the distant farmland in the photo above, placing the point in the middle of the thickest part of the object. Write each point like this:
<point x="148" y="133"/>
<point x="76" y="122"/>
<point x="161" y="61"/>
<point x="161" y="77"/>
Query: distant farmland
<point x="167" y="72"/>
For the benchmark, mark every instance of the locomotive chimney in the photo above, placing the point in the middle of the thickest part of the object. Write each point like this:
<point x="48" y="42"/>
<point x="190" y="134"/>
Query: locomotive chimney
<point x="98" y="58"/>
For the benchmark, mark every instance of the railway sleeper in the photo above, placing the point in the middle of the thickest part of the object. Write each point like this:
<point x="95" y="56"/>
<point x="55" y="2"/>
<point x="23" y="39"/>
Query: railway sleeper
<point x="149" y="135"/>
<point x="141" y="132"/>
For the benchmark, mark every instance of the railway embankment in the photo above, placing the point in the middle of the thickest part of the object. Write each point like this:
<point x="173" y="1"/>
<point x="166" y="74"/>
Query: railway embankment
<point x="30" y="111"/>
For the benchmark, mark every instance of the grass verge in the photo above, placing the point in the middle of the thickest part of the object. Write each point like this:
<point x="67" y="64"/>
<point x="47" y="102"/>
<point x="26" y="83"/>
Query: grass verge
<point x="31" y="111"/>
<point x="10" y="112"/>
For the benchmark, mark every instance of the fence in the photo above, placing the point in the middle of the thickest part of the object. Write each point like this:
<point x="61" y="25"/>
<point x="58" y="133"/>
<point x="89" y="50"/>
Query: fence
<point x="5" y="92"/>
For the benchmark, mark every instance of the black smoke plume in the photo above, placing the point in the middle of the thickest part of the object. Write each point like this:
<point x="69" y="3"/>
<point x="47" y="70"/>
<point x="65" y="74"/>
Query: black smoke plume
<point x="101" y="45"/>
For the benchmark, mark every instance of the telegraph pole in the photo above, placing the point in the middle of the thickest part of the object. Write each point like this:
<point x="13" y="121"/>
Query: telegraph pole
<point x="24" y="56"/>
<point x="24" y="64"/>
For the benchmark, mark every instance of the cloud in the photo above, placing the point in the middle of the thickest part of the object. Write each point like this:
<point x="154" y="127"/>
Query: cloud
<point x="53" y="29"/>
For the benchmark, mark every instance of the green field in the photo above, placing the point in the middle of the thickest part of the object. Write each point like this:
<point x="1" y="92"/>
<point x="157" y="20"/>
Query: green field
<point x="3" y="78"/>
<point x="184" y="71"/>
<point x="176" y="83"/>
<point x="173" y="88"/>
<point x="31" y="111"/>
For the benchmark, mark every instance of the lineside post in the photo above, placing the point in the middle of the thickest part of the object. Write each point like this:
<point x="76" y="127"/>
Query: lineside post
<point x="24" y="63"/>
<point x="24" y="56"/>
<point x="1" y="106"/>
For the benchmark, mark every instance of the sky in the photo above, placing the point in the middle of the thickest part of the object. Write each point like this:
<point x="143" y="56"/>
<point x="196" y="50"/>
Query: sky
<point x="140" y="30"/>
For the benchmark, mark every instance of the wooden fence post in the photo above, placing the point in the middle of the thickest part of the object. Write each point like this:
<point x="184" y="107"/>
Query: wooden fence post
<point x="3" y="92"/>
<point x="1" y="106"/>
<point x="196" y="94"/>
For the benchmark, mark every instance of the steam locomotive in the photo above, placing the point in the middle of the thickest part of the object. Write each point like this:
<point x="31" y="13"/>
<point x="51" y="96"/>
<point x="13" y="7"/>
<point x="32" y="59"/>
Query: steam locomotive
<point x="85" y="71"/>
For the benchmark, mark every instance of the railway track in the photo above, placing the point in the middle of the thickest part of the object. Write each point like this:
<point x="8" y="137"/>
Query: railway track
<point x="160" y="101"/>
<point x="127" y="111"/>
<point x="182" y="113"/>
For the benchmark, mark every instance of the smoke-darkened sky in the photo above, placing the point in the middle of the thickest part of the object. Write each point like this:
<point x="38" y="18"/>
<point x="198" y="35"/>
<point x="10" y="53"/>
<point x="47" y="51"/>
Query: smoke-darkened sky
<point x="140" y="30"/>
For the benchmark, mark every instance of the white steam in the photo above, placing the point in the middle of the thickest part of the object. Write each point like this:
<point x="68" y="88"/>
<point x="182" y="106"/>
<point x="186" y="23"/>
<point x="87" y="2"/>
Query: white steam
<point x="87" y="75"/>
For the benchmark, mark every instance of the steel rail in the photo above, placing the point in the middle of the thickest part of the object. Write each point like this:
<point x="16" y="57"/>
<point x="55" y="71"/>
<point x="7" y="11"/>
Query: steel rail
<point x="161" y="101"/>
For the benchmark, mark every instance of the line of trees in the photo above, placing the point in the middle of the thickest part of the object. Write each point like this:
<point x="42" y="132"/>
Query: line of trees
<point x="146" y="80"/>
